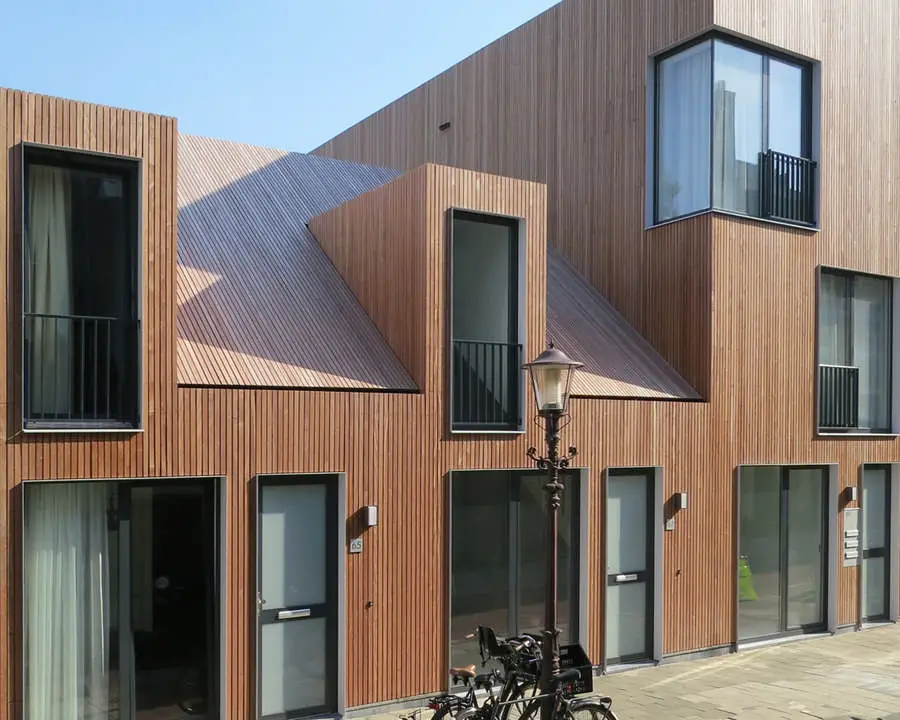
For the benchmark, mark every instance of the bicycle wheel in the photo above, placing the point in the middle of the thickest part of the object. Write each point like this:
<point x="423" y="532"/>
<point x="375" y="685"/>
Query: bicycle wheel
<point x="521" y="708"/>
<point x="589" y="710"/>
<point x="452" y="710"/>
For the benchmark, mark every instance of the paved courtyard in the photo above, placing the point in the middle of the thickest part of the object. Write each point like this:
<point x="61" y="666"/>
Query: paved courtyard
<point x="852" y="675"/>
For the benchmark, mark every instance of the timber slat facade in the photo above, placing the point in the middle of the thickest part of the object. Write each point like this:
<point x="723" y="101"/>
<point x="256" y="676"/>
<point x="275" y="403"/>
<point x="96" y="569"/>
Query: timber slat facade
<point x="548" y="124"/>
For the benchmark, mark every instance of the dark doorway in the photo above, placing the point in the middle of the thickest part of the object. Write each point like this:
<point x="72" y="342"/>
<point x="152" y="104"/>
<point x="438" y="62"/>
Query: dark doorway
<point x="172" y="605"/>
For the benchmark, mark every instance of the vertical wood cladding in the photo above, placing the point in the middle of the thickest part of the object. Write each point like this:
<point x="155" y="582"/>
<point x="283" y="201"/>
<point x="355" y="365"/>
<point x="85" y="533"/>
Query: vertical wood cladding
<point x="28" y="118"/>
<point x="563" y="100"/>
<point x="378" y="243"/>
<point x="560" y="100"/>
<point x="729" y="302"/>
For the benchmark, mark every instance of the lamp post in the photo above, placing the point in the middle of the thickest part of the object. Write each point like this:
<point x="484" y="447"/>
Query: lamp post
<point x="551" y="378"/>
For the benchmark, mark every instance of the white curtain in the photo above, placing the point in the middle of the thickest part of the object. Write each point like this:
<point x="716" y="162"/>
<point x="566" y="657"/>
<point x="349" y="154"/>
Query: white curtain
<point x="683" y="132"/>
<point x="49" y="226"/>
<point x="67" y="602"/>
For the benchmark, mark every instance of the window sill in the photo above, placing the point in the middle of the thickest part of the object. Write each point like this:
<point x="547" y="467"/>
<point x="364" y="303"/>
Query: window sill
<point x="487" y="431"/>
<point x="52" y="428"/>
<point x="741" y="216"/>
<point x="858" y="434"/>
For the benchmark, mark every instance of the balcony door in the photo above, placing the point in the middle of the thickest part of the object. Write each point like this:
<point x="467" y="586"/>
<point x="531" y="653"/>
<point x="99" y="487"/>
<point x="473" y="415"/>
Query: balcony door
<point x="855" y="339"/>
<point x="486" y="348"/>
<point x="783" y="551"/>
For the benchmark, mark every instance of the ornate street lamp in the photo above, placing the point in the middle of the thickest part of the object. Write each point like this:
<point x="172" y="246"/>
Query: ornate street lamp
<point x="551" y="377"/>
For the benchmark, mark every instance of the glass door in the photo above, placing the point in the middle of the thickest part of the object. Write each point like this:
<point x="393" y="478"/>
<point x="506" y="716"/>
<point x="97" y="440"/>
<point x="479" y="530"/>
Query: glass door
<point x="782" y="551"/>
<point x="297" y="596"/>
<point x="805" y="530"/>
<point x="876" y="509"/>
<point x="629" y="566"/>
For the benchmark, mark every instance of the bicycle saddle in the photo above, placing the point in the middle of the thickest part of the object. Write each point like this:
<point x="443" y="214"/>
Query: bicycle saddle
<point x="463" y="672"/>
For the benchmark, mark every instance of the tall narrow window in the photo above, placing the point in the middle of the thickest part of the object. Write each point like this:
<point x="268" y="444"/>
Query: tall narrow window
<point x="738" y="128"/>
<point x="683" y="132"/>
<point x="80" y="322"/>
<point x="733" y="133"/>
<point x="855" y="340"/>
<point x="486" y="351"/>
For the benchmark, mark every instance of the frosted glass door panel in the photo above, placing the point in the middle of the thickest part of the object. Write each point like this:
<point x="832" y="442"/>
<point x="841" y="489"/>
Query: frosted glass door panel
<point x="626" y="527"/>
<point x="874" y="596"/>
<point x="293" y="545"/>
<point x="293" y="662"/>
<point x="874" y="507"/>
<point x="626" y="620"/>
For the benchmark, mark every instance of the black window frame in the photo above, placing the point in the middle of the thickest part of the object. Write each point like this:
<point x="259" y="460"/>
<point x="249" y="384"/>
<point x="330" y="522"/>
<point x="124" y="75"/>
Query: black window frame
<point x="767" y="54"/>
<point x="516" y="312"/>
<point x="849" y="276"/>
<point x="129" y="170"/>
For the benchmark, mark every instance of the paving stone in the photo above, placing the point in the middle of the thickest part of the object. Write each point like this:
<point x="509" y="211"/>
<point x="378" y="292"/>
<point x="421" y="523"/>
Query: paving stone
<point x="852" y="675"/>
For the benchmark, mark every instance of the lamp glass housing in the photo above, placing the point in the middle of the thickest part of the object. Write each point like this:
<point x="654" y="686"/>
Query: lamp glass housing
<point x="551" y="378"/>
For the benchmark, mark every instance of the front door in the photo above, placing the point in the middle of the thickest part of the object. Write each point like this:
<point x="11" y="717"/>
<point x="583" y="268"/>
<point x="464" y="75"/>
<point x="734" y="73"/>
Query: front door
<point x="876" y="504"/>
<point x="629" y="566"/>
<point x="297" y="595"/>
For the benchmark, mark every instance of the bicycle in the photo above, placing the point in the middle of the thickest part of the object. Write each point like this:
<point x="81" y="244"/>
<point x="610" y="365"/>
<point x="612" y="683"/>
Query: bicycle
<point x="515" y="654"/>
<point x="566" y="706"/>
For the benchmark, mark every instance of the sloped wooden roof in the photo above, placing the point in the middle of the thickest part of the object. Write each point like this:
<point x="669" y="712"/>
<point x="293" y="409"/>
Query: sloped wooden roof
<point x="261" y="305"/>
<point x="259" y="302"/>
<point x="618" y="361"/>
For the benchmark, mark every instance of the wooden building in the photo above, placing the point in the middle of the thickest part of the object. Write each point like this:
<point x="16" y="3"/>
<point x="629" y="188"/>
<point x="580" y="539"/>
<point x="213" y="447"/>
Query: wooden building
<point x="264" y="431"/>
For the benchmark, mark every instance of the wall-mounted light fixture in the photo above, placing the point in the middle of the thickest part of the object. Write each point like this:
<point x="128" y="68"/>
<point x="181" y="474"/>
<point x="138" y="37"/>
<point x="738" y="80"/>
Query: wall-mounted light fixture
<point x="370" y="516"/>
<point x="680" y="501"/>
<point x="851" y="493"/>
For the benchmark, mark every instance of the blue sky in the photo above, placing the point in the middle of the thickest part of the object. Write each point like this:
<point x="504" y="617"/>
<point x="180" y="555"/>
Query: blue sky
<point x="282" y="73"/>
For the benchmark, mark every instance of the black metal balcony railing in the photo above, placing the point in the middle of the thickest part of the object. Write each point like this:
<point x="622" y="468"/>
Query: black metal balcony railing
<point x="80" y="369"/>
<point x="487" y="387"/>
<point x="838" y="397"/>
<point x="787" y="188"/>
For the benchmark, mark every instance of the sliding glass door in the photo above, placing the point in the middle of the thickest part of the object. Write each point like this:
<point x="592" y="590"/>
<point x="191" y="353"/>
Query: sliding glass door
<point x="119" y="611"/>
<point x="497" y="550"/>
<point x="782" y="550"/>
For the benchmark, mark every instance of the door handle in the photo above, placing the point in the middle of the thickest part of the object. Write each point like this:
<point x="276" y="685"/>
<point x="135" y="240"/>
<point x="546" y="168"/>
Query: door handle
<point x="626" y="577"/>
<point x="294" y="614"/>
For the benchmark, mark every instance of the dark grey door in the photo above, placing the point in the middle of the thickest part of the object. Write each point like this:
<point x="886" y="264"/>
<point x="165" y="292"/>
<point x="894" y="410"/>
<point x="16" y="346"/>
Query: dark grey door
<point x="629" y="566"/>
<point x="876" y="509"/>
<point x="297" y="596"/>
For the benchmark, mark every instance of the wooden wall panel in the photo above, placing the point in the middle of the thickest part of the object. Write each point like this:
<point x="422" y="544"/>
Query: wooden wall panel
<point x="32" y="118"/>
<point x="377" y="242"/>
<point x="560" y="100"/>
<point x="728" y="302"/>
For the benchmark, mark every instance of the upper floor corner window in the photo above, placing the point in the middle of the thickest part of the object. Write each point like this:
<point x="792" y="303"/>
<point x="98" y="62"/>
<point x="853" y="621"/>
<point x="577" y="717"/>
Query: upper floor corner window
<point x="80" y="322"/>
<point x="855" y="340"/>
<point x="486" y="347"/>
<point x="733" y="132"/>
